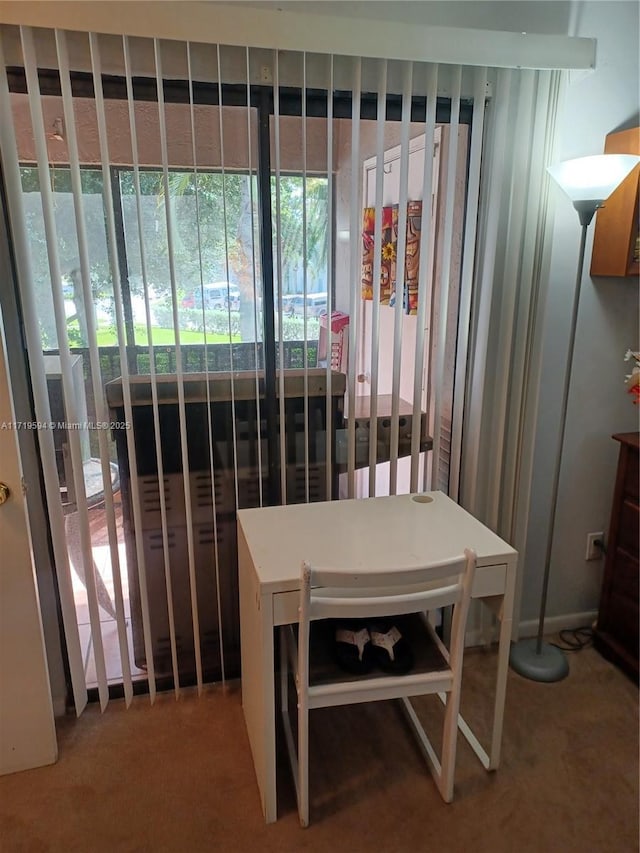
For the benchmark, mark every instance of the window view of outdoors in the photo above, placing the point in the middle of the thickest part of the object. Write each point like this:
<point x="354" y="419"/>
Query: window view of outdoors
<point x="216" y="257"/>
<point x="215" y="254"/>
<point x="301" y="249"/>
<point x="101" y="284"/>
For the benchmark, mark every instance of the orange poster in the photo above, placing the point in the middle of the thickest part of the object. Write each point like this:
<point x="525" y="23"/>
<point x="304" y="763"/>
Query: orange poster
<point x="412" y="256"/>
<point x="389" y="253"/>
<point x="368" y="228"/>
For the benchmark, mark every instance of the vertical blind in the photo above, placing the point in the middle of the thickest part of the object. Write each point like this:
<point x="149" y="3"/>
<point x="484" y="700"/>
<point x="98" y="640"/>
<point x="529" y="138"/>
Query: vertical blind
<point x="254" y="322"/>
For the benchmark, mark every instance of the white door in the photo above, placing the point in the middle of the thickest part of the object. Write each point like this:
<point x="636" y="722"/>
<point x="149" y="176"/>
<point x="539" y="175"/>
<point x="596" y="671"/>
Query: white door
<point x="391" y="195"/>
<point x="27" y="730"/>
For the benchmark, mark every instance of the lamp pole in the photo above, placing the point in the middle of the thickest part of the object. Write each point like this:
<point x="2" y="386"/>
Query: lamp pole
<point x="561" y="665"/>
<point x="541" y="661"/>
<point x="588" y="181"/>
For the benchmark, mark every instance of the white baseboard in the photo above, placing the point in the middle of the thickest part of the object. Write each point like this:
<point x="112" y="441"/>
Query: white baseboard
<point x="529" y="628"/>
<point x="553" y="624"/>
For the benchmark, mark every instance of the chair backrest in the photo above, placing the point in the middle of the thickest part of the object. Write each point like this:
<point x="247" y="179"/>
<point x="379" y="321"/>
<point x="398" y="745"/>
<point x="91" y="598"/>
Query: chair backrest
<point x="343" y="593"/>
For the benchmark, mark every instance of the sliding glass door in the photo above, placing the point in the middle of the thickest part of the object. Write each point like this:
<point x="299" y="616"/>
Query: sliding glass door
<point x="226" y="309"/>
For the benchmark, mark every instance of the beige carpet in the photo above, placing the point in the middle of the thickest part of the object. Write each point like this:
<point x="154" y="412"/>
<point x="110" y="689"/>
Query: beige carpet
<point x="178" y="777"/>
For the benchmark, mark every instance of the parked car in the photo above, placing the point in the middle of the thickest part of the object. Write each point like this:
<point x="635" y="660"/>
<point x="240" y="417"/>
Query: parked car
<point x="316" y="305"/>
<point x="220" y="296"/>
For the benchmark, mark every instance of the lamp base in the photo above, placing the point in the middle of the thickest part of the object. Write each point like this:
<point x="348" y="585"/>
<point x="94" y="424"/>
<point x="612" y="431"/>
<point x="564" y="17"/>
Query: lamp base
<point x="549" y="664"/>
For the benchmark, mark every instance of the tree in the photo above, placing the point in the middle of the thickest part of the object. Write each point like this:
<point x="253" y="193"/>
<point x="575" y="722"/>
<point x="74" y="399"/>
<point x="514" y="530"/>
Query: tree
<point x="214" y="237"/>
<point x="67" y="247"/>
<point x="292" y="233"/>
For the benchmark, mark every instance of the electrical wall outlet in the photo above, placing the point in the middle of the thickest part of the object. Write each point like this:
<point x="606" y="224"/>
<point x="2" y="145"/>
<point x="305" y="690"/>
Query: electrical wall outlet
<point x="595" y="543"/>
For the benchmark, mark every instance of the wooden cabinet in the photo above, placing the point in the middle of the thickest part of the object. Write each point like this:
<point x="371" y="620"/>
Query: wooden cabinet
<point x="615" y="240"/>
<point x="616" y="634"/>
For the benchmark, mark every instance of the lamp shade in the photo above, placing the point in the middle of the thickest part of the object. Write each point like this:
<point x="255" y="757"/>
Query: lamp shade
<point x="593" y="178"/>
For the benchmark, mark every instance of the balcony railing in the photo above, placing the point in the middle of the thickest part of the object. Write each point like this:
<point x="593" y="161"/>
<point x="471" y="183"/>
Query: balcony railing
<point x="196" y="358"/>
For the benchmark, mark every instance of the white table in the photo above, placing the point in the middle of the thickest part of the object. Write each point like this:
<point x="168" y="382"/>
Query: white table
<point x="366" y="534"/>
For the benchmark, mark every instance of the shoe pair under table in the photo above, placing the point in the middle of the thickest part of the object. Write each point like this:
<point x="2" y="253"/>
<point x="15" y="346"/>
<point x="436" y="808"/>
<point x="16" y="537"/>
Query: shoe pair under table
<point x="360" y="646"/>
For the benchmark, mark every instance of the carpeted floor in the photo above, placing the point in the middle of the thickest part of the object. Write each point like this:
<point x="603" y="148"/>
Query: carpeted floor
<point x="178" y="777"/>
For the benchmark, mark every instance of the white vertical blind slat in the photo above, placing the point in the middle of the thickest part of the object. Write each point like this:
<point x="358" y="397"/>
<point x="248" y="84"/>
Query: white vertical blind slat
<point x="184" y="450"/>
<point x="11" y="175"/>
<point x="445" y="273"/>
<point x="484" y="283"/>
<point x="466" y="282"/>
<point x="355" y="273"/>
<point x="166" y="555"/>
<point x="524" y="363"/>
<point x="329" y="397"/>
<point x="424" y="272"/>
<point x="256" y="325"/>
<point x="232" y="387"/>
<point x="227" y="265"/>
<point x="96" y="66"/>
<point x="537" y="260"/>
<point x="377" y="268"/>
<point x="305" y="280"/>
<point x="152" y="366"/>
<point x="279" y="283"/>
<point x="212" y="470"/>
<point x="70" y="406"/>
<point x="399" y="311"/>
<point x="512" y="250"/>
<point x="94" y="356"/>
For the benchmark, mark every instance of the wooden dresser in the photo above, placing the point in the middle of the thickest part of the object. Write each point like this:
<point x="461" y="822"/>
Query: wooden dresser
<point x="616" y="634"/>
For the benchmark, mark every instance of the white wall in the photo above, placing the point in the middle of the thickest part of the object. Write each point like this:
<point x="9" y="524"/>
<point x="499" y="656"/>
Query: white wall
<point x="596" y="104"/>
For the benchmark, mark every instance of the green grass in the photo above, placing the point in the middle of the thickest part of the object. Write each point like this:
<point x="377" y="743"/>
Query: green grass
<point x="107" y="337"/>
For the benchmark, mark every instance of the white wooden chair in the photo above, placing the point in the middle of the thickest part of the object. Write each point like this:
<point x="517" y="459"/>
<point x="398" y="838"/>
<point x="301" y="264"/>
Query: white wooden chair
<point x="344" y="594"/>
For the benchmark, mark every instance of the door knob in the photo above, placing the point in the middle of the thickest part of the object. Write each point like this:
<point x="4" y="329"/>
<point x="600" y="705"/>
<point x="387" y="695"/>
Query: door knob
<point x="4" y="493"/>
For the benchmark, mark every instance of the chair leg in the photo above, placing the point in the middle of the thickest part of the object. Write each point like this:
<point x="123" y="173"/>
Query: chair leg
<point x="441" y="769"/>
<point x="303" y="763"/>
<point x="449" y="745"/>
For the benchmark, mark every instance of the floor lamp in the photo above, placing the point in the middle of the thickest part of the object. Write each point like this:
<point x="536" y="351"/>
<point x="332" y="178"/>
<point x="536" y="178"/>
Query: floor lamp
<point x="588" y="181"/>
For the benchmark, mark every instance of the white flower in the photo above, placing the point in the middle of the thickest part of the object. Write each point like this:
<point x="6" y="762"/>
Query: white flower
<point x="633" y="379"/>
